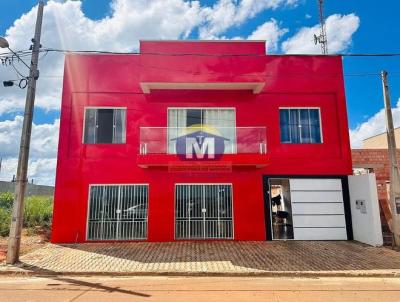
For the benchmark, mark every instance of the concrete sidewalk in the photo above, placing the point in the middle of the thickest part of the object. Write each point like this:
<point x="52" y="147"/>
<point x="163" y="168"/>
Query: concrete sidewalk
<point x="278" y="258"/>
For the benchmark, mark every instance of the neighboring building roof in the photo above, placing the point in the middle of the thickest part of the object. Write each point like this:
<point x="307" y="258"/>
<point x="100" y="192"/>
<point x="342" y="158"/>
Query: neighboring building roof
<point x="382" y="133"/>
<point x="379" y="141"/>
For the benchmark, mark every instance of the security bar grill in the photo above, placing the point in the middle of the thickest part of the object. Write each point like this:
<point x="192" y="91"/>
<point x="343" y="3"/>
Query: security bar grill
<point x="203" y="211"/>
<point x="117" y="212"/>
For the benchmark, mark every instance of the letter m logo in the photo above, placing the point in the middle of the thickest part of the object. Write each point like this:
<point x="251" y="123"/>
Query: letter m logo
<point x="199" y="148"/>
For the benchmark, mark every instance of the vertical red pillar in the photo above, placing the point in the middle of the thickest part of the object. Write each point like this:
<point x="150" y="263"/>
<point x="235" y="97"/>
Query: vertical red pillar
<point x="161" y="210"/>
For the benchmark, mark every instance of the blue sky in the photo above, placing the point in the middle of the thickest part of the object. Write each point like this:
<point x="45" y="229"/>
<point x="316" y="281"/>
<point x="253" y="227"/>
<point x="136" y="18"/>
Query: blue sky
<point x="375" y="32"/>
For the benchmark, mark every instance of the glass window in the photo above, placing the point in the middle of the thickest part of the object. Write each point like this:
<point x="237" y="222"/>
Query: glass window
<point x="222" y="120"/>
<point x="105" y="126"/>
<point x="300" y="126"/>
<point x="194" y="117"/>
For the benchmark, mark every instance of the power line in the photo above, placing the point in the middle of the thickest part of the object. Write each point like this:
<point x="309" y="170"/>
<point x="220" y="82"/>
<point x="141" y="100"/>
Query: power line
<point x="360" y="74"/>
<point x="222" y="55"/>
<point x="67" y="51"/>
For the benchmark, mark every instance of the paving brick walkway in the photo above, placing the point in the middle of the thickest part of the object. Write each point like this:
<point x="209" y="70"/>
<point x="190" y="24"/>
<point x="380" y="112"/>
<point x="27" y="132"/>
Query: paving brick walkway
<point x="211" y="257"/>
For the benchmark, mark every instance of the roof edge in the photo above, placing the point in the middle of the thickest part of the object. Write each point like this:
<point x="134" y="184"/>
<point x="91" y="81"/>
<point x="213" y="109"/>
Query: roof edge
<point x="200" y="41"/>
<point x="378" y="134"/>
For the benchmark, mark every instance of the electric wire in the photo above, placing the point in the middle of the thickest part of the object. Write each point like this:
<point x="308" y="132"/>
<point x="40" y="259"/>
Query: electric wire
<point x="225" y="55"/>
<point x="45" y="51"/>
<point x="16" y="71"/>
<point x="43" y="56"/>
<point x="28" y="53"/>
<point x="15" y="68"/>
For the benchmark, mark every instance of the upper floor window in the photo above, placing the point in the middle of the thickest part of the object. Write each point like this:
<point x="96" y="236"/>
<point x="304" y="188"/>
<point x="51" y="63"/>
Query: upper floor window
<point x="223" y="120"/>
<point x="300" y="125"/>
<point x="105" y="126"/>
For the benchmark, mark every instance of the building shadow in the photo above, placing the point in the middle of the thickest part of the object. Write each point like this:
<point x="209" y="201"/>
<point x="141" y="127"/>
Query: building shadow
<point x="53" y="275"/>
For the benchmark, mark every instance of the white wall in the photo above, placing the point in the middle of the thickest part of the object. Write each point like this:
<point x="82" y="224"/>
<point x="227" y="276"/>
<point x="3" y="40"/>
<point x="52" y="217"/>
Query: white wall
<point x="366" y="219"/>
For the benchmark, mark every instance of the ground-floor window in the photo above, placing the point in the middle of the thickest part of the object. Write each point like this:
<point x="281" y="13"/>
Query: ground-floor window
<point x="117" y="212"/>
<point x="203" y="211"/>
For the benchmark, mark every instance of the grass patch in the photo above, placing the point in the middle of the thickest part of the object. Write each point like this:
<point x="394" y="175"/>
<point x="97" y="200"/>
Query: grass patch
<point x="6" y="200"/>
<point x="38" y="212"/>
<point x="5" y="218"/>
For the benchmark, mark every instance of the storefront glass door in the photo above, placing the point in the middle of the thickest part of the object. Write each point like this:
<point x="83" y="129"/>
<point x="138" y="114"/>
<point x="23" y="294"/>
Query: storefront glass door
<point x="203" y="211"/>
<point x="117" y="212"/>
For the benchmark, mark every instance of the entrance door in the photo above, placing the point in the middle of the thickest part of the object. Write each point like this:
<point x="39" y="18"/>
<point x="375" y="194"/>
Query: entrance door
<point x="203" y="211"/>
<point x="281" y="208"/>
<point x="117" y="212"/>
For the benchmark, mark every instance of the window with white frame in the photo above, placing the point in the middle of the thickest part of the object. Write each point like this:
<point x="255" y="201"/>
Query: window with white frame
<point x="105" y="126"/>
<point x="221" y="119"/>
<point x="300" y="125"/>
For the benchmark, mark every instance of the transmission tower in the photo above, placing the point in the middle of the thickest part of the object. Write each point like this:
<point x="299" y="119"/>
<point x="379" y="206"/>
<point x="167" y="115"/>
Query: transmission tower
<point x="322" y="37"/>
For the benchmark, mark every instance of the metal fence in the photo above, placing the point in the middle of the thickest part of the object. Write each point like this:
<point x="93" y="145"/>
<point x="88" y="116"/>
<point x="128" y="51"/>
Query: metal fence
<point x="117" y="212"/>
<point x="203" y="211"/>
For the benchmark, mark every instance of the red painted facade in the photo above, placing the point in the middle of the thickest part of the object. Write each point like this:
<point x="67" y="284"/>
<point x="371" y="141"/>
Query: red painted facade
<point x="114" y="80"/>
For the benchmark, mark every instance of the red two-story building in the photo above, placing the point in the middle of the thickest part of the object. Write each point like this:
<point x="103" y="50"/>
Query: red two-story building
<point x="191" y="140"/>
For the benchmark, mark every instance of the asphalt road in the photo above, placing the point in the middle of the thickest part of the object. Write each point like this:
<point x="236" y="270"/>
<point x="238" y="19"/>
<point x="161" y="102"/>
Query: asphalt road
<point x="198" y="289"/>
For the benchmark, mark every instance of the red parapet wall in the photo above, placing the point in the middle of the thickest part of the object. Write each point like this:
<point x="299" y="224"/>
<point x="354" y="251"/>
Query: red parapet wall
<point x="204" y="48"/>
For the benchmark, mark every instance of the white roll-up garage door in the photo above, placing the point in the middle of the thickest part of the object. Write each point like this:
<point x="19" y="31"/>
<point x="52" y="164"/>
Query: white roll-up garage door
<point x="317" y="209"/>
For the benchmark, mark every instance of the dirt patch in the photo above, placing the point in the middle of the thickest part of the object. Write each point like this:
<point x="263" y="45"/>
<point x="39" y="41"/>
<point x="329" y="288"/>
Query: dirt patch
<point x="31" y="240"/>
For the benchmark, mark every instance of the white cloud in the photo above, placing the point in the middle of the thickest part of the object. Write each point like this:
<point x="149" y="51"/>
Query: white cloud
<point x="10" y="104"/>
<point x="41" y="170"/>
<point x="44" y="138"/>
<point x="8" y="168"/>
<point x="270" y="32"/>
<point x="340" y="29"/>
<point x="226" y="13"/>
<point x="43" y="151"/>
<point x="373" y="126"/>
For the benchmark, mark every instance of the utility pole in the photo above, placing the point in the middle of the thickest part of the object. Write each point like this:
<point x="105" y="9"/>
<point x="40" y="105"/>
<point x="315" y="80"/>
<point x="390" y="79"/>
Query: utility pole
<point x="394" y="170"/>
<point x="18" y="206"/>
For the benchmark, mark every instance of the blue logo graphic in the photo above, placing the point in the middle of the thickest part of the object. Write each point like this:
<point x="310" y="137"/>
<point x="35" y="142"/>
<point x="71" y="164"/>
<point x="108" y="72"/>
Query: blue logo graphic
<point x="200" y="143"/>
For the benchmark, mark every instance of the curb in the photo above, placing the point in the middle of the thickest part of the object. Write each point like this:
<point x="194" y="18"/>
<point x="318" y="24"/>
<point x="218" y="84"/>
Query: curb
<point x="291" y="274"/>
